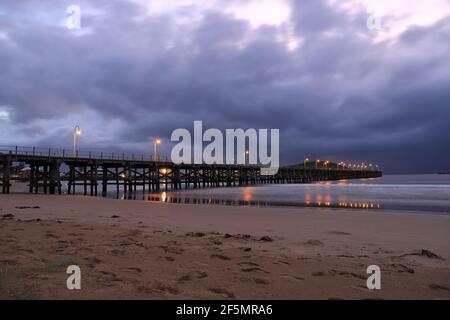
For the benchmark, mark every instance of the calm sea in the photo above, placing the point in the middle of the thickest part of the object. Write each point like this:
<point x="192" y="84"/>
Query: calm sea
<point x="424" y="193"/>
<point x="394" y="192"/>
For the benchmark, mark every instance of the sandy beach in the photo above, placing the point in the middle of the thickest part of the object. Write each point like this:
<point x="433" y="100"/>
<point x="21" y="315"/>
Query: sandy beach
<point x="150" y="250"/>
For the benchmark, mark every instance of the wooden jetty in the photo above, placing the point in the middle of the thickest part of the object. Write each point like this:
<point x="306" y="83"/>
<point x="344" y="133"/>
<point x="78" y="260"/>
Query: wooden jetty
<point x="94" y="173"/>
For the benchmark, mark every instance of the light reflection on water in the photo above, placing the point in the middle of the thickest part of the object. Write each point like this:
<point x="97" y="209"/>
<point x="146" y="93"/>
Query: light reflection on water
<point x="427" y="193"/>
<point x="164" y="197"/>
<point x="430" y="193"/>
<point x="252" y="196"/>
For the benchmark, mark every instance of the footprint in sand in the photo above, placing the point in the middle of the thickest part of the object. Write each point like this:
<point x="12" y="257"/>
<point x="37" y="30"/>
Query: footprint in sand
<point x="282" y="262"/>
<point x="50" y="235"/>
<point x="346" y="273"/>
<point x="220" y="256"/>
<point x="63" y="245"/>
<point x="27" y="207"/>
<point x="238" y="236"/>
<point x="255" y="280"/>
<point x="334" y="272"/>
<point x="32" y="220"/>
<point x="168" y="289"/>
<point x="193" y="276"/>
<point x="423" y="253"/>
<point x="135" y="269"/>
<point x="196" y="234"/>
<point x="169" y="259"/>
<point x="359" y="276"/>
<point x="345" y="256"/>
<point x="172" y="249"/>
<point x="291" y="277"/>
<point x="93" y="260"/>
<point x="436" y="286"/>
<point x="313" y="242"/>
<point x="248" y="263"/>
<point x="338" y="232"/>
<point x="224" y="293"/>
<point x="402" y="268"/>
<point x="159" y="287"/>
<point x="260" y="281"/>
<point x="117" y="252"/>
<point x="74" y="234"/>
<point x="254" y="269"/>
<point x="109" y="276"/>
<point x="134" y="233"/>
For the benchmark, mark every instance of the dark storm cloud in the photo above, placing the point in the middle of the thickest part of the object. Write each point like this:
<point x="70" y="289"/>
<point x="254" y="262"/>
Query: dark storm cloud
<point x="339" y="95"/>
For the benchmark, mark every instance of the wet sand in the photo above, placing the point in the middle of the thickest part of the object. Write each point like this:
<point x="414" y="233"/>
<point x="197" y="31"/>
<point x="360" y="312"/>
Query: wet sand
<point x="148" y="250"/>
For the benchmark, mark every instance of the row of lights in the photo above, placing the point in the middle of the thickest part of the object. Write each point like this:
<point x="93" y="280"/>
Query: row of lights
<point x="359" y="205"/>
<point x="156" y="141"/>
<point x="343" y="165"/>
<point x="345" y="205"/>
<point x="77" y="132"/>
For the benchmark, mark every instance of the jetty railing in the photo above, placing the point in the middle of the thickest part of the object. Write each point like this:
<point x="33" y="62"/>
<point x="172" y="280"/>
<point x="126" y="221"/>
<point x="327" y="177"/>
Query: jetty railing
<point x="78" y="154"/>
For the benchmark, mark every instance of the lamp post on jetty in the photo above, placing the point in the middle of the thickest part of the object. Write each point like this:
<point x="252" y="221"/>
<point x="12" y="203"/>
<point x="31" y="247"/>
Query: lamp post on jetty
<point x="155" y="143"/>
<point x="76" y="132"/>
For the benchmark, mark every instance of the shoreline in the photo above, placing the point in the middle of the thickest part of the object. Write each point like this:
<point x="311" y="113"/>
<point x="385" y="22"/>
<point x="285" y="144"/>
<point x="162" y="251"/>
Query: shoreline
<point x="412" y="196"/>
<point x="252" y="203"/>
<point x="215" y="252"/>
<point x="404" y="193"/>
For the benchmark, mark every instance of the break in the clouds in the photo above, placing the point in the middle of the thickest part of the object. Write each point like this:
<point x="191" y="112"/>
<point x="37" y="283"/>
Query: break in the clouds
<point x="335" y="86"/>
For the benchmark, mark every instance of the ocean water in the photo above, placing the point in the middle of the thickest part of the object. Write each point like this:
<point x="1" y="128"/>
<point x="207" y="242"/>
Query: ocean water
<point x="424" y="193"/>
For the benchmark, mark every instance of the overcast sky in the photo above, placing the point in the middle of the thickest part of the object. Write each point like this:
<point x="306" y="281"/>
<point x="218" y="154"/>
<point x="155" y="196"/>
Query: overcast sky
<point x="336" y="87"/>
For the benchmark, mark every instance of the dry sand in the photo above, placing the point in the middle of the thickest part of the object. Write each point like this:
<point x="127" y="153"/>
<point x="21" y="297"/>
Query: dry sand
<point x="148" y="250"/>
